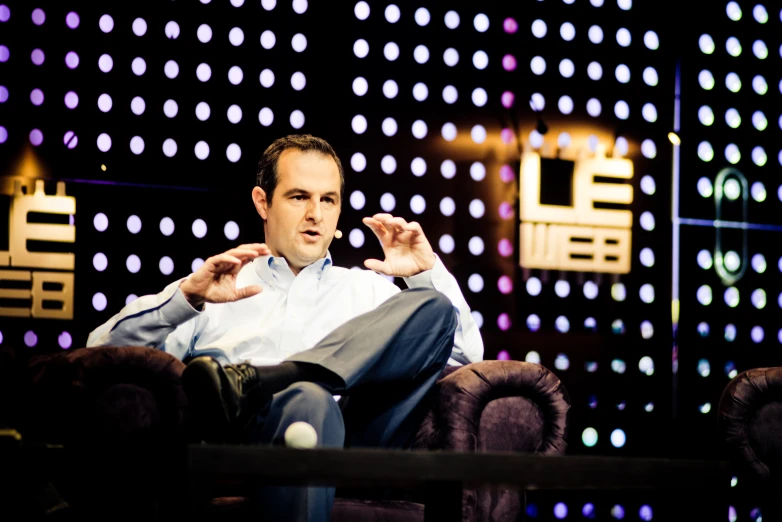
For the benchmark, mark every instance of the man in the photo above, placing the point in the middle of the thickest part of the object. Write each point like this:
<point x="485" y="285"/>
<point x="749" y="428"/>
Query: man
<point x="273" y="331"/>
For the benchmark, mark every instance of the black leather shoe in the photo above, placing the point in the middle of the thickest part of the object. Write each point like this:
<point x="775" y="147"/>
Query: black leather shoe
<point x="223" y="400"/>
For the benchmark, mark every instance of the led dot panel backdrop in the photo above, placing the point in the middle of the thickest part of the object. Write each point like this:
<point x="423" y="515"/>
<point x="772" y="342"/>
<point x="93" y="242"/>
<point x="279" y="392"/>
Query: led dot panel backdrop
<point x="598" y="175"/>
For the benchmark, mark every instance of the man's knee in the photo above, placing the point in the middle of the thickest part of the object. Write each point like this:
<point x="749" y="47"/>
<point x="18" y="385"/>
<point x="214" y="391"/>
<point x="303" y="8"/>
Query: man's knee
<point x="434" y="303"/>
<point x="314" y="405"/>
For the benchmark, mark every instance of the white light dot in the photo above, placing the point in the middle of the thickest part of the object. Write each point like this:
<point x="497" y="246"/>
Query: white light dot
<point x="300" y="6"/>
<point x="361" y="10"/>
<point x="647" y="257"/>
<point x="268" y="39"/>
<point x="203" y="111"/>
<point x="106" y="23"/>
<point x="358" y="162"/>
<point x="622" y="110"/>
<point x="234" y="114"/>
<point x="594" y="71"/>
<point x="650" y="76"/>
<point x="236" y="36"/>
<point x="449" y="131"/>
<point x="419" y="129"/>
<point x="593" y="107"/>
<point x="475" y="283"/>
<point x="137" y="145"/>
<point x="446" y="244"/>
<point x="421" y="54"/>
<point x="99" y="301"/>
<point x="562" y="288"/>
<point x="475" y="245"/>
<point x="451" y="57"/>
<point x="539" y="28"/>
<point x="169" y="148"/>
<point x="565" y="104"/>
<point x="389" y="126"/>
<point x="420" y="91"/>
<point x="196" y="264"/>
<point x="480" y="60"/>
<point x="647" y="221"/>
<point x="624" y="5"/>
<point x="359" y="124"/>
<point x="417" y="204"/>
<point x="448" y="169"/>
<point x="100" y="261"/>
<point x="105" y="63"/>
<point x="388" y="164"/>
<point x="138" y="66"/>
<point x="100" y="222"/>
<point x="199" y="228"/>
<point x="360" y="86"/>
<point x="447" y="206"/>
<point x="231" y="230"/>
<point x="171" y="69"/>
<point x="566" y="68"/>
<point x="651" y="40"/>
<point x="104" y="102"/>
<point x="618" y="438"/>
<point x="387" y="202"/>
<point x="202" y="150"/>
<point x="450" y="95"/>
<point x="533" y="286"/>
<point x="590" y="290"/>
<point x="297" y="119"/>
<point x="422" y="16"/>
<point x="133" y="264"/>
<point x="567" y="31"/>
<point x="104" y="142"/>
<point x="204" y="33"/>
<point x="139" y="27"/>
<point x="390" y="89"/>
<point x="622" y="73"/>
<point x="392" y="13"/>
<point x="357" y="199"/>
<point x="390" y="51"/>
<point x="478" y="134"/>
<point x="233" y="152"/>
<point x="298" y="81"/>
<point x="481" y="23"/>
<point x="235" y="75"/>
<point x="166" y="265"/>
<point x="170" y="108"/>
<point x="356" y="238"/>
<point x="477" y="208"/>
<point x="477" y="171"/>
<point x="538" y="65"/>
<point x="166" y="226"/>
<point x="267" y="78"/>
<point x="452" y="19"/>
<point x="266" y="116"/>
<point x="479" y="97"/>
<point x="418" y="167"/>
<point x="648" y="149"/>
<point x="595" y="34"/>
<point x="134" y="224"/>
<point x="203" y="72"/>
<point x="172" y="30"/>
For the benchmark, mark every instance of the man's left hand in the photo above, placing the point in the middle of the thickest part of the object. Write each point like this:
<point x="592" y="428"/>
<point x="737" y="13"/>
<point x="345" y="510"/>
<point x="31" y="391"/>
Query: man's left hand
<point x="404" y="244"/>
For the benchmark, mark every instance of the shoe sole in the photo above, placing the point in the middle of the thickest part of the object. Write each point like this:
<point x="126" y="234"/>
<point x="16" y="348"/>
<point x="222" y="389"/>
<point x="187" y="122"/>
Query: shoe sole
<point x="203" y="384"/>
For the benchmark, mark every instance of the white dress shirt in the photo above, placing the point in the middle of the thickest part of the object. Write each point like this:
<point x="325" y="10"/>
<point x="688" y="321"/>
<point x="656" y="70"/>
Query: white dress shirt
<point x="290" y="315"/>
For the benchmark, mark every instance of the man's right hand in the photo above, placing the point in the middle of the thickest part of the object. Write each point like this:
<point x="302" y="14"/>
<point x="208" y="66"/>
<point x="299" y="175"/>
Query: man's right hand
<point x="215" y="281"/>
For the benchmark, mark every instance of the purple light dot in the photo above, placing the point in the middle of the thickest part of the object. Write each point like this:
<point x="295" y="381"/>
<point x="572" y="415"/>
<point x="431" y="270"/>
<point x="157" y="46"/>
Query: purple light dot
<point x="510" y="25"/>
<point x="5" y="13"/>
<point x="506" y="174"/>
<point x="37" y="56"/>
<point x="30" y="339"/>
<point x="505" y="248"/>
<point x="560" y="510"/>
<point x="506" y="211"/>
<point x="4" y="53"/>
<point x="507" y="99"/>
<point x="70" y="140"/>
<point x="72" y="20"/>
<point x="38" y="16"/>
<point x="3" y="94"/>
<point x="36" y="96"/>
<point x="72" y="60"/>
<point x="588" y="510"/>
<point x="505" y="284"/>
<point x="503" y="356"/>
<point x="503" y="321"/>
<point x="506" y="135"/>
<point x="71" y="100"/>
<point x="509" y="62"/>
<point x="1" y="337"/>
<point x="36" y="137"/>
<point x="65" y="340"/>
<point x="3" y="134"/>
<point x="645" y="513"/>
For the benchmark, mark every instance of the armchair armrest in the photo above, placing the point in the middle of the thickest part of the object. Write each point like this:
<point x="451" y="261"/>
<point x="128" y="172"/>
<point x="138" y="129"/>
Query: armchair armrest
<point x="498" y="406"/>
<point x="750" y="420"/>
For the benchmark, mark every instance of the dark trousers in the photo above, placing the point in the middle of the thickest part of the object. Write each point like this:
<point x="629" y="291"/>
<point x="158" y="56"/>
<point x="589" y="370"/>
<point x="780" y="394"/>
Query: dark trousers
<point x="388" y="360"/>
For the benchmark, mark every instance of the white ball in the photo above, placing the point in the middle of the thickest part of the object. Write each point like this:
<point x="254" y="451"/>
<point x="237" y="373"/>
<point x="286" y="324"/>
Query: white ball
<point x="301" y="435"/>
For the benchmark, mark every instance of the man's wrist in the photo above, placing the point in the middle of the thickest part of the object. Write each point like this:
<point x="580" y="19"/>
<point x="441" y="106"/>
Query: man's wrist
<point x="195" y="300"/>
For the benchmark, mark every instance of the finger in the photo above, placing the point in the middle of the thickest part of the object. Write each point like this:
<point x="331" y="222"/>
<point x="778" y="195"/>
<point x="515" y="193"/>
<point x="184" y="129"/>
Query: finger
<point x="261" y="248"/>
<point x="414" y="226"/>
<point x="376" y="265"/>
<point x="382" y="217"/>
<point x="222" y="263"/>
<point x="248" y="291"/>
<point x="243" y="254"/>
<point x="397" y="223"/>
<point x="379" y="230"/>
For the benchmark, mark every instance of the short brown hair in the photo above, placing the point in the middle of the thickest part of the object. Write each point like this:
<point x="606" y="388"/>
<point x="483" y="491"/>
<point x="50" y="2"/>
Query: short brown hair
<point x="267" y="176"/>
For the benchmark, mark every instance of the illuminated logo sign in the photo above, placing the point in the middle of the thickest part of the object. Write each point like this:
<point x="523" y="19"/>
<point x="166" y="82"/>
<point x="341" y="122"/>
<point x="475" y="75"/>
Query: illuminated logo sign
<point x="586" y="235"/>
<point x="41" y="283"/>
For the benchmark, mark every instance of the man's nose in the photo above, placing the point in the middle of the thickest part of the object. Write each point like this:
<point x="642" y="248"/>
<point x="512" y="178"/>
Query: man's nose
<point x="314" y="212"/>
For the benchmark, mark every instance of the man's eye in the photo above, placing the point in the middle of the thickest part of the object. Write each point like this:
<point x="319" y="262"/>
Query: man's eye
<point x="329" y="200"/>
<point x="298" y="198"/>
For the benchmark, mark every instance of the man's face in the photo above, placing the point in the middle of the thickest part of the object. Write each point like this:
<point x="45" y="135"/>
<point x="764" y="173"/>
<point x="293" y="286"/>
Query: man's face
<point x="303" y="215"/>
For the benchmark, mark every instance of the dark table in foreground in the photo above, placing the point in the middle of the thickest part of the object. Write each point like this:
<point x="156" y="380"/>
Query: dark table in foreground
<point x="444" y="474"/>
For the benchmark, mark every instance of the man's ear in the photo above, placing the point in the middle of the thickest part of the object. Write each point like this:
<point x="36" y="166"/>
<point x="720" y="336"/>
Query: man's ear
<point x="261" y="205"/>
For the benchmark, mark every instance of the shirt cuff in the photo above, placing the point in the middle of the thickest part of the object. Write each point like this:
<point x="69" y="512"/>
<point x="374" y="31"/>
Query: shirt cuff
<point x="428" y="278"/>
<point x="178" y="309"/>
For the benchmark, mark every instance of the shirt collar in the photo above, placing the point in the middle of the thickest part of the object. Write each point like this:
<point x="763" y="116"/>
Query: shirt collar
<point x="275" y="271"/>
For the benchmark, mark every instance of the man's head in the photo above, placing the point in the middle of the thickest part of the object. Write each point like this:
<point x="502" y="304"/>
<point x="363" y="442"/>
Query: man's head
<point x="298" y="194"/>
